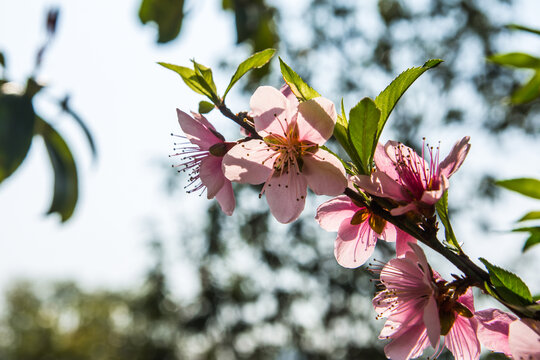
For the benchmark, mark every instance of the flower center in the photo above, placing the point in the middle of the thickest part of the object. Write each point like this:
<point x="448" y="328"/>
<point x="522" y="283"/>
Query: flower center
<point x="416" y="173"/>
<point x="376" y="223"/>
<point x="289" y="149"/>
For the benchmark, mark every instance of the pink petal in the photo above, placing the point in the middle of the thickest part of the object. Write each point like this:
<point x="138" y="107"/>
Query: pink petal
<point x="462" y="340"/>
<point x="316" y="119"/>
<point x="432" y="196"/>
<point x="324" y="173"/>
<point x="385" y="163"/>
<point x="354" y="244"/>
<point x="467" y="299"/>
<point x="211" y="175"/>
<point x="493" y="326"/>
<point x="380" y="184"/>
<point x="432" y="322"/>
<point x="402" y="241"/>
<point x="456" y="157"/>
<point x="408" y="345"/>
<point x="524" y="339"/>
<point x="389" y="233"/>
<point x="271" y="111"/>
<point x="225" y="198"/>
<point x="197" y="130"/>
<point x="248" y="162"/>
<point x="332" y="213"/>
<point x="291" y="98"/>
<point x="286" y="196"/>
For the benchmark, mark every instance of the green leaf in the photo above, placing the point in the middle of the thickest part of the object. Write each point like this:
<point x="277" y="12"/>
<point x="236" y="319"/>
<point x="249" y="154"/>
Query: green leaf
<point x="523" y="28"/>
<point x="388" y="98"/>
<point x="206" y="74"/>
<point x="167" y="14"/>
<point x="508" y="285"/>
<point x="298" y="86"/>
<point x="2" y="60"/>
<point x="528" y="92"/>
<point x="442" y="211"/>
<point x="516" y="59"/>
<point x="534" y="237"/>
<point x="16" y="131"/>
<point x="255" y="61"/>
<point x="363" y="122"/>
<point x="532" y="215"/>
<point x="66" y="189"/>
<point x="526" y="186"/>
<point x="195" y="81"/>
<point x="205" y="107"/>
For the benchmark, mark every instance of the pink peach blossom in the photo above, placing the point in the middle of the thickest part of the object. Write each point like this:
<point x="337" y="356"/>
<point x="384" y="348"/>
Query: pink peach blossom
<point x="203" y="155"/>
<point x="289" y="157"/>
<point x="406" y="177"/>
<point x="524" y="339"/>
<point x="358" y="230"/>
<point x="413" y="300"/>
<point x="503" y="332"/>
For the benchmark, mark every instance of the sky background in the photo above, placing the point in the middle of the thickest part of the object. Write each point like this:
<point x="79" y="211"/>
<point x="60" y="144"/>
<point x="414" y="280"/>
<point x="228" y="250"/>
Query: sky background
<point x="106" y="61"/>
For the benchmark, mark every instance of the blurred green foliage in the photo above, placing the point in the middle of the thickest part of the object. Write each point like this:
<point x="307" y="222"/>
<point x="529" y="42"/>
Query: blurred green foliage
<point x="19" y="124"/>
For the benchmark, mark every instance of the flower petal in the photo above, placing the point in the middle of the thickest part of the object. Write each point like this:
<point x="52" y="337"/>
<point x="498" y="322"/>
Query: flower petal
<point x="410" y="344"/>
<point x="332" y="213"/>
<point x="524" y="339"/>
<point x="402" y="242"/>
<point x="248" y="162"/>
<point x="197" y="130"/>
<point x="380" y="184"/>
<point x="316" y="119"/>
<point x="225" y="198"/>
<point x="456" y="157"/>
<point x="211" y="175"/>
<point x="286" y="196"/>
<point x="493" y="327"/>
<point x="324" y="173"/>
<point x="271" y="111"/>
<point x="462" y="340"/>
<point x="432" y="196"/>
<point x="384" y="163"/>
<point x="432" y="322"/>
<point x="291" y="98"/>
<point x="354" y="244"/>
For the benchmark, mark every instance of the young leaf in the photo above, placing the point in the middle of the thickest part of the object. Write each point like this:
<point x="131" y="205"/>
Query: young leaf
<point x="442" y="211"/>
<point x="508" y="285"/>
<point x="532" y="215"/>
<point x="195" y="81"/>
<point x="388" y="98"/>
<point x="525" y="186"/>
<point x="255" y="61"/>
<point x="298" y="86"/>
<point x="534" y="237"/>
<point x="206" y="73"/>
<point x="528" y="92"/>
<point x="66" y="189"/>
<point x="363" y="122"/>
<point x="205" y="107"/>
<point x="16" y="131"/>
<point x="516" y="59"/>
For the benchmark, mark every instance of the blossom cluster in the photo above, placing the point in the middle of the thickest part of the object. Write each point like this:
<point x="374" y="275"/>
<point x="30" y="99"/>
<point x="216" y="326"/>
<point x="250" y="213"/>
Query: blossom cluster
<point x="286" y="154"/>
